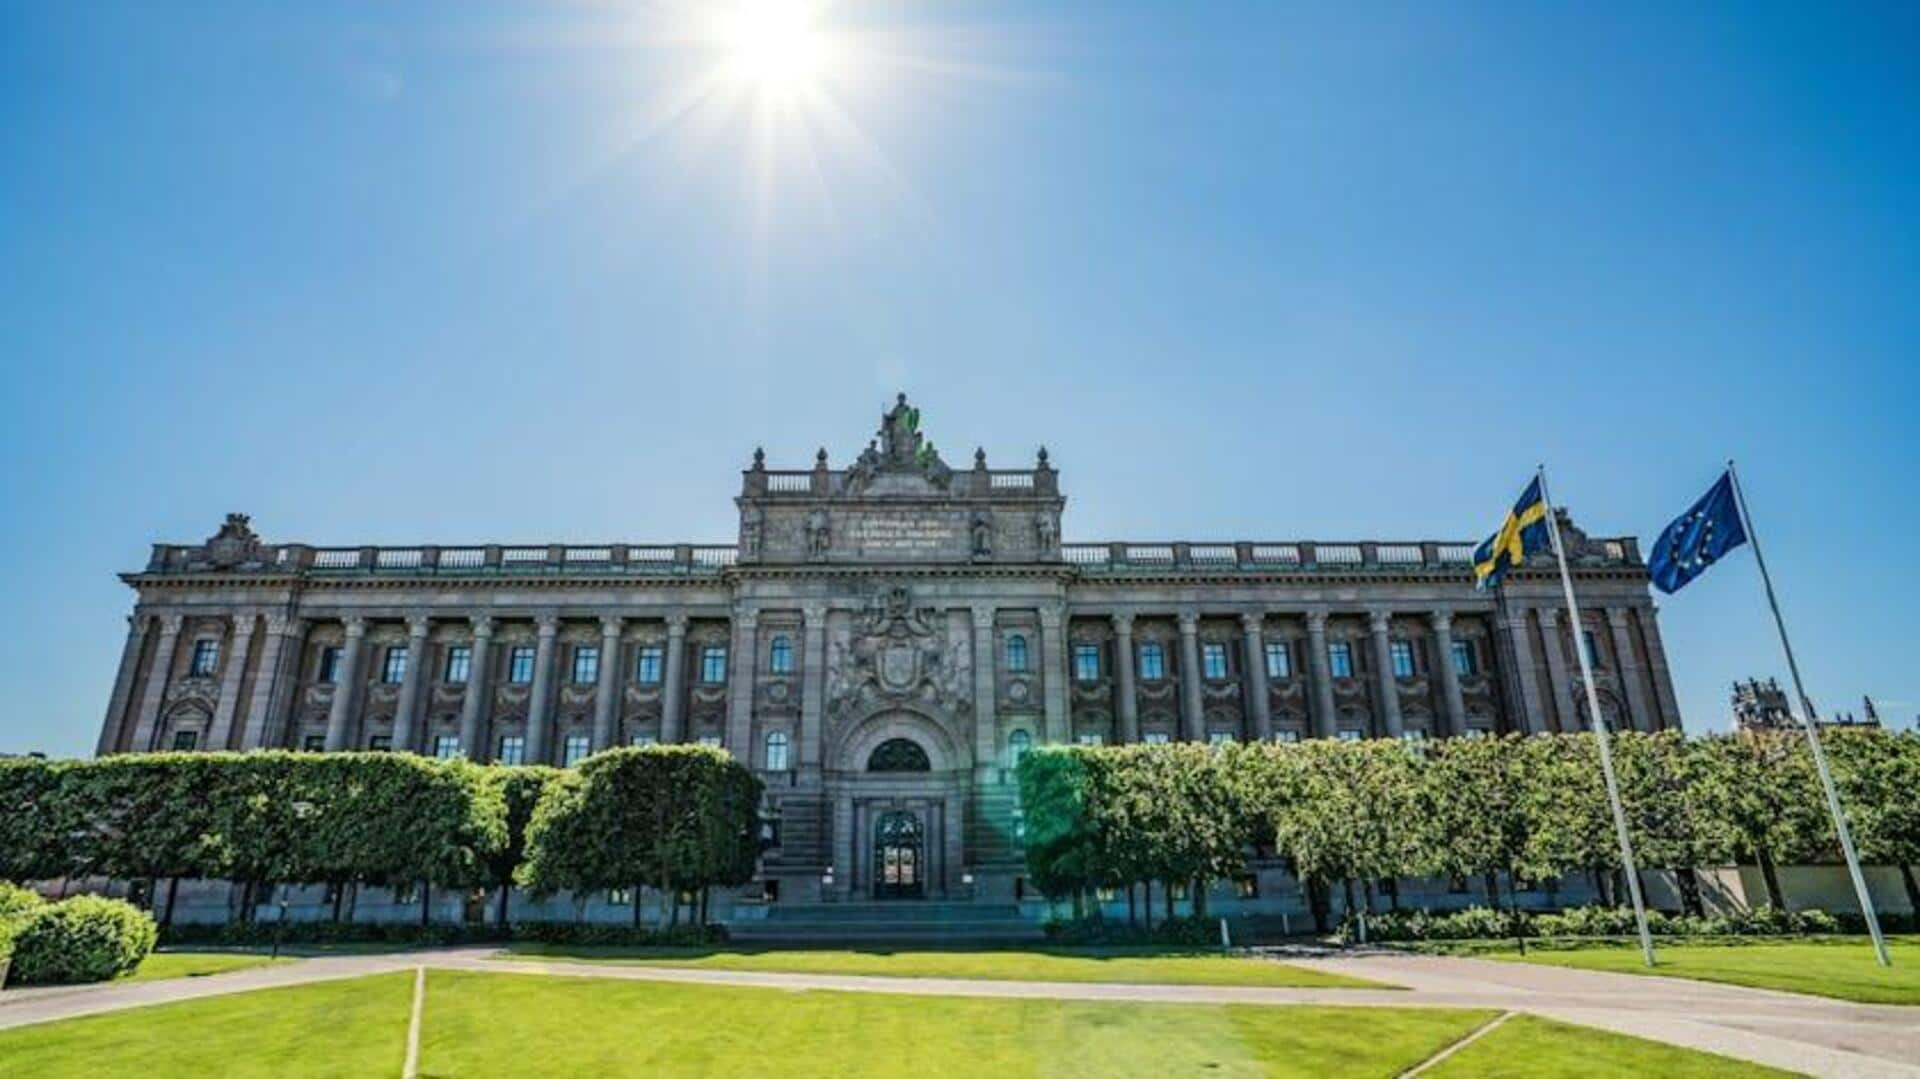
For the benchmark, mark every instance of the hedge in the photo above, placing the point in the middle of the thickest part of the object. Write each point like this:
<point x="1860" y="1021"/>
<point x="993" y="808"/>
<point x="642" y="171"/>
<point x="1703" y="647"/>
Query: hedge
<point x="87" y="938"/>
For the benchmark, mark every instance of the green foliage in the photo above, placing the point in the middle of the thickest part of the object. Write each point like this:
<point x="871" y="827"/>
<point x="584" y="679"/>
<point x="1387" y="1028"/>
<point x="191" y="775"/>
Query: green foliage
<point x="86" y="938"/>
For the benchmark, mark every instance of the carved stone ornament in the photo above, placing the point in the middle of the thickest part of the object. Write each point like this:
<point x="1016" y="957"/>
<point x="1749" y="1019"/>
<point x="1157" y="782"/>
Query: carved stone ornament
<point x="235" y="543"/>
<point x="897" y="654"/>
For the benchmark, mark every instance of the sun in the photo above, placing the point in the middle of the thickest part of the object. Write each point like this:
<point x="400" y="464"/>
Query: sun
<point x="776" y="47"/>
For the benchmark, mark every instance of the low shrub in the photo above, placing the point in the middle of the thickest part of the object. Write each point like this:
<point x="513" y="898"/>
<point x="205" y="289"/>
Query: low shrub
<point x="87" y="938"/>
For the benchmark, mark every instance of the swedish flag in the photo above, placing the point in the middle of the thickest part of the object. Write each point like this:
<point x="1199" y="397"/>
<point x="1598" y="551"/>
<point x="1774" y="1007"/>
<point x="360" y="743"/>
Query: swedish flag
<point x="1524" y="532"/>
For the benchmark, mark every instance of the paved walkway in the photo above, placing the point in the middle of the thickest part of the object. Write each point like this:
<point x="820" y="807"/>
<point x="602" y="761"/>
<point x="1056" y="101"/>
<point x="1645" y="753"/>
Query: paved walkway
<point x="1803" y="1034"/>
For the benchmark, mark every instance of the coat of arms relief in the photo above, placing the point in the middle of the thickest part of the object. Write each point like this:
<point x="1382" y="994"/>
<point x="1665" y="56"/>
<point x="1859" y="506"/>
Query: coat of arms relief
<point x="897" y="654"/>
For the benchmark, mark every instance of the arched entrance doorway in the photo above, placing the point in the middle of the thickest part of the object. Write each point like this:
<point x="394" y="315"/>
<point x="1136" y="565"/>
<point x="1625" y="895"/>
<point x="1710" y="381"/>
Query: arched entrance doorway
<point x="899" y="856"/>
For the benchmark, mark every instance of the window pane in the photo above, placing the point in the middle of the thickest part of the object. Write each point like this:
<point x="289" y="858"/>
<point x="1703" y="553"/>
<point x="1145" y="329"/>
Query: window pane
<point x="646" y="668"/>
<point x="1340" y="658"/>
<point x="1279" y="660"/>
<point x="586" y="665"/>
<point x="1213" y="659"/>
<point x="394" y="670"/>
<point x="1402" y="658"/>
<point x="780" y="656"/>
<point x="459" y="662"/>
<point x="520" y="664"/>
<point x="1016" y="653"/>
<point x="513" y="749"/>
<point x="1086" y="662"/>
<point x="1153" y="662"/>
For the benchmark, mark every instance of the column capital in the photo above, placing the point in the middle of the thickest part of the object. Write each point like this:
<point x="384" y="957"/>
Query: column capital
<point x="482" y="625"/>
<point x="1379" y="621"/>
<point x="611" y="625"/>
<point x="1441" y="620"/>
<point x="419" y="626"/>
<point x="983" y="618"/>
<point x="1123" y="623"/>
<point x="548" y="625"/>
<point x="170" y="624"/>
<point x="677" y="625"/>
<point x="356" y="625"/>
<point x="1316" y="621"/>
<point x="1189" y="623"/>
<point x="1253" y="623"/>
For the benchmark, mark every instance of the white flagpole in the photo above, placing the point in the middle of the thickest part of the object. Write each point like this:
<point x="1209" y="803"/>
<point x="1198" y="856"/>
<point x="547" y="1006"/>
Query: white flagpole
<point x="1805" y="713"/>
<point x="1599" y="727"/>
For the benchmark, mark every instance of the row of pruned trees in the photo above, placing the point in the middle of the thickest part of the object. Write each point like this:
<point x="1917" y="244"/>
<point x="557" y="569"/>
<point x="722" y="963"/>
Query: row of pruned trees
<point x="675" y="818"/>
<point x="1350" y="814"/>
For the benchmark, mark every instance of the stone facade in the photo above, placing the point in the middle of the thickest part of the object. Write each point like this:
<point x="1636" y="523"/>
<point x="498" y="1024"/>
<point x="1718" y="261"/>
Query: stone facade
<point x="881" y="643"/>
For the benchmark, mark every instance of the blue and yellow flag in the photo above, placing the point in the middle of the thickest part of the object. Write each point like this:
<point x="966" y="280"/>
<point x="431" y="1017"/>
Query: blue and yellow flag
<point x="1524" y="532"/>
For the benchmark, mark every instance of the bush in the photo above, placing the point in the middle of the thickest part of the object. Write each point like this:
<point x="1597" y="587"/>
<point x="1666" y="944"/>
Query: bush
<point x="88" y="938"/>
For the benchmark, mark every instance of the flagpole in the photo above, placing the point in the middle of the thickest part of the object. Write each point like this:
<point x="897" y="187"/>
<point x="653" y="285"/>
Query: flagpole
<point x="1805" y="712"/>
<point x="1599" y="726"/>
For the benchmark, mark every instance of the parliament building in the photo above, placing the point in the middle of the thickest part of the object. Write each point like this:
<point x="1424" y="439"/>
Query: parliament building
<point x="881" y="644"/>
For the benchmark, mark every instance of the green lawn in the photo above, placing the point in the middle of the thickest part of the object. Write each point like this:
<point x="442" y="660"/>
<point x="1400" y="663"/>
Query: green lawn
<point x="196" y="964"/>
<point x="1135" y="965"/>
<point x="1529" y="1046"/>
<point x="536" y="1025"/>
<point x="1841" y="968"/>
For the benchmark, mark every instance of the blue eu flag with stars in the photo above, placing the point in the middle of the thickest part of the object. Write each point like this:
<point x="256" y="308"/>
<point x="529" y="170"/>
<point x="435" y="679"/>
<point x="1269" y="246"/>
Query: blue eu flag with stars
<point x="1697" y="538"/>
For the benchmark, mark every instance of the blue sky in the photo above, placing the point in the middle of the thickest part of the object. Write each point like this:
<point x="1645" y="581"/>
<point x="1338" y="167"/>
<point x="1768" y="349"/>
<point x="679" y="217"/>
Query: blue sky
<point x="392" y="273"/>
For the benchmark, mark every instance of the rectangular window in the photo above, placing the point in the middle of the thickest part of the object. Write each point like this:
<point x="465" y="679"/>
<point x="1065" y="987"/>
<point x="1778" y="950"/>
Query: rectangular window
<point x="586" y="665"/>
<point x="1593" y="648"/>
<point x="206" y="657"/>
<point x="1402" y="652"/>
<point x="183" y="741"/>
<point x="459" y="664"/>
<point x="329" y="672"/>
<point x="513" y="749"/>
<point x="1086" y="663"/>
<point x="1464" y="661"/>
<point x="1340" y="659"/>
<point x="1279" y="660"/>
<point x="1219" y="738"/>
<point x="574" y="749"/>
<point x="1213" y="660"/>
<point x="520" y="664"/>
<point x="314" y="743"/>
<point x="713" y="664"/>
<point x="446" y="746"/>
<point x="1351" y="736"/>
<point x="394" y="670"/>
<point x="646" y="665"/>
<point x="1090" y="740"/>
<point x="380" y="743"/>
<point x="1155" y="738"/>
<point x="1153" y="662"/>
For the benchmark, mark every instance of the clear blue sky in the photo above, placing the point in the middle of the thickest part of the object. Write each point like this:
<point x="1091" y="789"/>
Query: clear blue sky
<point x="392" y="273"/>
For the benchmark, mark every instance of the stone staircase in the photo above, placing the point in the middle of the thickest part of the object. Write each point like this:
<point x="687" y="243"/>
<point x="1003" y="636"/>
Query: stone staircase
<point x="917" y="923"/>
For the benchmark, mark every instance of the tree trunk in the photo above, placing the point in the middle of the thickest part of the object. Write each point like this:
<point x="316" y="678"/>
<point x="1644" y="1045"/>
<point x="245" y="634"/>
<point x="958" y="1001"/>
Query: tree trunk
<point x="1770" y="873"/>
<point x="1689" y="881"/>
<point x="1913" y="889"/>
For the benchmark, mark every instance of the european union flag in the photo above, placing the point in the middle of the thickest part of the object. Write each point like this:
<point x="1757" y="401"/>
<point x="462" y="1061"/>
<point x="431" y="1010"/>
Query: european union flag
<point x="1524" y="532"/>
<point x="1697" y="538"/>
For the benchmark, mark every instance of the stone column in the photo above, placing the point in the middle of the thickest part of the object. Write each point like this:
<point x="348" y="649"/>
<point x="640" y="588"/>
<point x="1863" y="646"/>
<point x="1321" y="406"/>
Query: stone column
<point x="1324" y="721"/>
<point x="1193" y="721"/>
<point x="743" y="664"/>
<point x="1381" y="624"/>
<point x="813" y="690"/>
<point x="1259" y="706"/>
<point x="606" y="691"/>
<point x="115" y="723"/>
<point x="476" y="704"/>
<point x="1056" y="661"/>
<point x="673" y="693"/>
<point x="540" y="702"/>
<point x="1512" y="625"/>
<point x="1658" y="671"/>
<point x="406" y="709"/>
<point x="986" y="720"/>
<point x="1126" y="708"/>
<point x="273" y="687"/>
<point x="1557" y="676"/>
<point x="345" y="709"/>
<point x="233" y="668"/>
<point x="159" y="673"/>
<point x="1639" y="716"/>
<point x="1454" y="707"/>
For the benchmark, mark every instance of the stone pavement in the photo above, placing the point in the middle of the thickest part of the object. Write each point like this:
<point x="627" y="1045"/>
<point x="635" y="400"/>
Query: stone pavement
<point x="1803" y="1034"/>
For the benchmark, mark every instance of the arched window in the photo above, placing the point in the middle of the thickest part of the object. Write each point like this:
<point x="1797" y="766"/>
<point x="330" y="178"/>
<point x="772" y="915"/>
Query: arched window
<point x="1017" y="652"/>
<point x="1017" y="745"/>
<point x="899" y="755"/>
<point x="780" y="655"/>
<point x="777" y="751"/>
